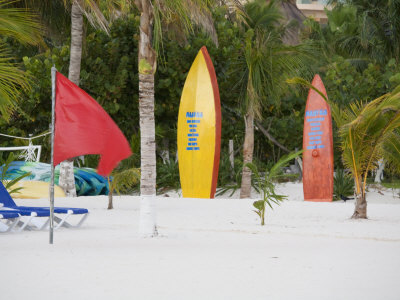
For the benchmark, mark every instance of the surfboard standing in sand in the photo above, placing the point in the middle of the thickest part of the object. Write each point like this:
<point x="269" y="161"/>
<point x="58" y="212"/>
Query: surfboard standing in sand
<point x="318" y="147"/>
<point x="199" y="130"/>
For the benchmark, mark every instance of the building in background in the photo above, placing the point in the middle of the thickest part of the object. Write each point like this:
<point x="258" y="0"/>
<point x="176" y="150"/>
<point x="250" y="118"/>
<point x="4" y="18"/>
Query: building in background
<point x="314" y="9"/>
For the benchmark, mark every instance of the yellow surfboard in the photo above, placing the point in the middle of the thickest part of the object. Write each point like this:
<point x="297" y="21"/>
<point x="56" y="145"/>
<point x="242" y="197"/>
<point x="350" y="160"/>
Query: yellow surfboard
<point x="199" y="130"/>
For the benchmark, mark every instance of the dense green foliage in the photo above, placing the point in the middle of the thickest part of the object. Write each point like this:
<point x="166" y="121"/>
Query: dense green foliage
<point x="351" y="69"/>
<point x="366" y="30"/>
<point x="345" y="83"/>
<point x="21" y="26"/>
<point x="343" y="184"/>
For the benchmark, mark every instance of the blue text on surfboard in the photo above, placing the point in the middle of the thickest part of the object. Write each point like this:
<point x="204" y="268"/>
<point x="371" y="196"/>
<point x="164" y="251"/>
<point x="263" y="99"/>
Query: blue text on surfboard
<point x="315" y="113"/>
<point x="194" y="114"/>
<point x="192" y="118"/>
<point x="315" y="133"/>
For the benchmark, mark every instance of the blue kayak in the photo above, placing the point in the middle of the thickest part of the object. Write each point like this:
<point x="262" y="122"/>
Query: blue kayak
<point x="87" y="181"/>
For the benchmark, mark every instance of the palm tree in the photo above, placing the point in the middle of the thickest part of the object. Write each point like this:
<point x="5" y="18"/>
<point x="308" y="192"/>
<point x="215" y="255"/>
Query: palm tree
<point x="22" y="25"/>
<point x="49" y="11"/>
<point x="369" y="132"/>
<point x="366" y="29"/>
<point x="266" y="61"/>
<point x="293" y="18"/>
<point x="154" y="14"/>
<point x="78" y="9"/>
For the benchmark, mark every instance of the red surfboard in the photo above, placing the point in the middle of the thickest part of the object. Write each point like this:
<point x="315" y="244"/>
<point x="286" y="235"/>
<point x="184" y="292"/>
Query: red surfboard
<point x="317" y="146"/>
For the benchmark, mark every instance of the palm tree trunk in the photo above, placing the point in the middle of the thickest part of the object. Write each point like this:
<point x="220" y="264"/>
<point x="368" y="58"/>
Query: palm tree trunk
<point x="248" y="148"/>
<point x="147" y="135"/>
<point x="147" y="68"/>
<point x="67" y="178"/>
<point x="360" y="210"/>
<point x="110" y="200"/>
<point x="76" y="42"/>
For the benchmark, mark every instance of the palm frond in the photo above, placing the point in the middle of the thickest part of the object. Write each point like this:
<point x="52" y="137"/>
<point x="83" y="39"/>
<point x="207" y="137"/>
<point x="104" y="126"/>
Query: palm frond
<point x="282" y="162"/>
<point x="200" y="15"/>
<point x="302" y="81"/>
<point x="269" y="62"/>
<point x="182" y="16"/>
<point x="123" y="181"/>
<point x="19" y="23"/>
<point x="12" y="81"/>
<point x="90" y="8"/>
<point x="391" y="151"/>
<point x="369" y="132"/>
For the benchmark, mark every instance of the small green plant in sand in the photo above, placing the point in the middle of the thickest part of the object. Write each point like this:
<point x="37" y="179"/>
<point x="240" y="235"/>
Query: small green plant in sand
<point x="5" y="174"/>
<point x="266" y="184"/>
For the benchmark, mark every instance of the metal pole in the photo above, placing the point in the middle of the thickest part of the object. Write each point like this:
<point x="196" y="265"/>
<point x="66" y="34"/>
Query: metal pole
<point x="53" y="106"/>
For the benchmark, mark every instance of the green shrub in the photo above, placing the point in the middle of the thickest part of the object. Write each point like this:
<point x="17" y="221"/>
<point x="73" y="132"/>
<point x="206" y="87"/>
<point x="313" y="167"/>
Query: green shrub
<point x="168" y="176"/>
<point x="343" y="184"/>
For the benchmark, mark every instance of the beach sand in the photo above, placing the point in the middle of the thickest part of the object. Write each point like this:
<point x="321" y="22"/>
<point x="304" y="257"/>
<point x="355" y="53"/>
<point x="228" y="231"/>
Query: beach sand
<point x="210" y="249"/>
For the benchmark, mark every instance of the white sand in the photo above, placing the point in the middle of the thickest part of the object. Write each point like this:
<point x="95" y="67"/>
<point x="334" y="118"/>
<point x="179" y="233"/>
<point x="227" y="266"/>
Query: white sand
<point x="210" y="249"/>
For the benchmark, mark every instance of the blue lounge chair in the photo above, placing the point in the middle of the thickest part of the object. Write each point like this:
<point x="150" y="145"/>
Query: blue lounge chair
<point x="34" y="217"/>
<point x="30" y="216"/>
<point x="33" y="211"/>
<point x="11" y="219"/>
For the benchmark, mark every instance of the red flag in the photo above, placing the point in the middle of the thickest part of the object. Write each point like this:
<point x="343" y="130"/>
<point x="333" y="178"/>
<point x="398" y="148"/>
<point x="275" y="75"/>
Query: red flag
<point x="83" y="127"/>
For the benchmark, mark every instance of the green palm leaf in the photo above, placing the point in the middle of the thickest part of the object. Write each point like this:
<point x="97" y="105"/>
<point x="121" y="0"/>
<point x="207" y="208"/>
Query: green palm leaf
<point x="19" y="23"/>
<point x="22" y="25"/>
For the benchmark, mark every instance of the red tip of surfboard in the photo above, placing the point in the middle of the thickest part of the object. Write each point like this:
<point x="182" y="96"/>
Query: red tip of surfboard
<point x="205" y="51"/>
<point x="318" y="84"/>
<point x="316" y="79"/>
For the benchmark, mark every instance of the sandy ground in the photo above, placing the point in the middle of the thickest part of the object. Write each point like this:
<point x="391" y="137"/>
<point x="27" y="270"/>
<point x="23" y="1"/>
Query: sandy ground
<point x="210" y="249"/>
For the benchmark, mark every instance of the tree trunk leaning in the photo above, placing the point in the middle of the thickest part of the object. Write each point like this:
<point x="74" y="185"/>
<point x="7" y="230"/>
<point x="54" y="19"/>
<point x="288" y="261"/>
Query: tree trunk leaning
<point x="67" y="178"/>
<point x="270" y="137"/>
<point x="248" y="148"/>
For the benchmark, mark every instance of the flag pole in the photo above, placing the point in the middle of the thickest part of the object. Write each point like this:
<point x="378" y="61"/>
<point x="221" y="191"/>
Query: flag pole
<point x="53" y="104"/>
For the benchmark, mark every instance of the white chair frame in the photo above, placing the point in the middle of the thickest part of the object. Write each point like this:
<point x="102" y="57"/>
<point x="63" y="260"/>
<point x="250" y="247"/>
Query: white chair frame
<point x="35" y="147"/>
